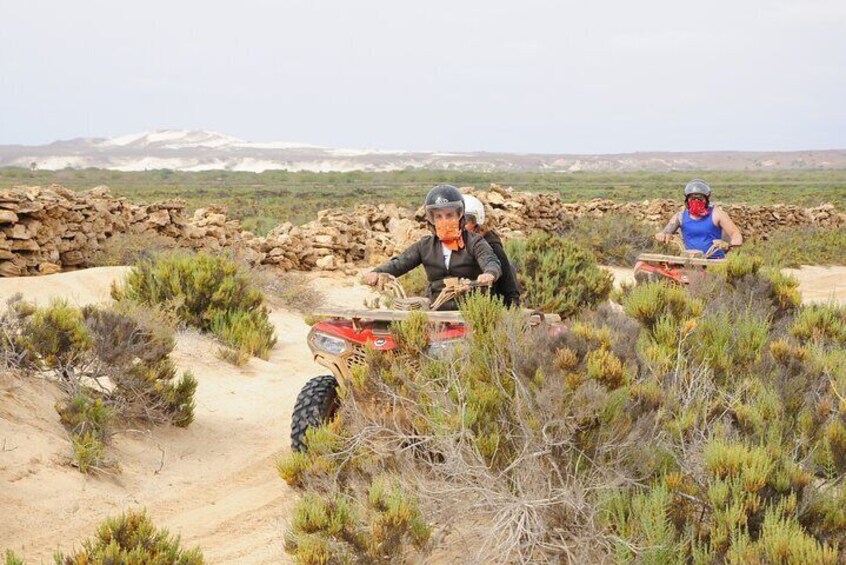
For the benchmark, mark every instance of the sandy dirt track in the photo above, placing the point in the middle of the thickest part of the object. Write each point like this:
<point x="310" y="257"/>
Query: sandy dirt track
<point x="215" y="482"/>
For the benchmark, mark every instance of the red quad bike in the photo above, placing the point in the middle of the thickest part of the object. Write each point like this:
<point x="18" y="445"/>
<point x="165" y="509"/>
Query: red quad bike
<point x="339" y="343"/>
<point x="678" y="269"/>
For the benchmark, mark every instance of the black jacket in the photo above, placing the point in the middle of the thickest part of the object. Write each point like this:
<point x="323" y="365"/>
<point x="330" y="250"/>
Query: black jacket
<point x="506" y="285"/>
<point x="475" y="258"/>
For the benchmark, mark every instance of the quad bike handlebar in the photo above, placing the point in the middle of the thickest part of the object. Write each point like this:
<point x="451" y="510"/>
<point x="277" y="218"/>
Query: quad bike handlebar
<point x="454" y="287"/>
<point x="677" y="241"/>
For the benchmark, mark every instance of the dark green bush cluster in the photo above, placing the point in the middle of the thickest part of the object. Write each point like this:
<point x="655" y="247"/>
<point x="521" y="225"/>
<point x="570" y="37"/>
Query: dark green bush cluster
<point x="114" y="365"/>
<point x="559" y="275"/>
<point x="699" y="425"/>
<point x="207" y="292"/>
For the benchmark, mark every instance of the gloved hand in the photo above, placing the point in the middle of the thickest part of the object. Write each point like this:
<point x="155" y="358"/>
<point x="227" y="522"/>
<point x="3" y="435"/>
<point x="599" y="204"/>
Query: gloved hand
<point x="721" y="244"/>
<point x="663" y="237"/>
<point x="485" y="279"/>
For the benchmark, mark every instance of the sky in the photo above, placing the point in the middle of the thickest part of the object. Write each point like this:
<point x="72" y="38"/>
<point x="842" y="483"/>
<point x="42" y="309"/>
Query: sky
<point x="525" y="76"/>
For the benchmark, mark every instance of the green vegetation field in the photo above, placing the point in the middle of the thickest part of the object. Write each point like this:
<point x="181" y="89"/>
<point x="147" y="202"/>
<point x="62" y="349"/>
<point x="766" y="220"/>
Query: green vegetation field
<point x="262" y="200"/>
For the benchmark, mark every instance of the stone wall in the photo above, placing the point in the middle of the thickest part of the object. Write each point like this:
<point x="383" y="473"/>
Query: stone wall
<point x="44" y="230"/>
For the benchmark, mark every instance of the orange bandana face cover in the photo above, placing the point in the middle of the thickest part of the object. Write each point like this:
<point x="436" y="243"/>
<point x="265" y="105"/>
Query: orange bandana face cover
<point x="449" y="232"/>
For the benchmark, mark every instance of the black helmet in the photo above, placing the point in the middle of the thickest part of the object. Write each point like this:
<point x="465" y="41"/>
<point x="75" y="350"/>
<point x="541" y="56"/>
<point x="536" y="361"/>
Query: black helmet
<point x="697" y="186"/>
<point x="443" y="196"/>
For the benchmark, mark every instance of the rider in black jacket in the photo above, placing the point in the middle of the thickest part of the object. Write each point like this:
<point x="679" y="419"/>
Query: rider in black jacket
<point x="506" y="285"/>
<point x="451" y="250"/>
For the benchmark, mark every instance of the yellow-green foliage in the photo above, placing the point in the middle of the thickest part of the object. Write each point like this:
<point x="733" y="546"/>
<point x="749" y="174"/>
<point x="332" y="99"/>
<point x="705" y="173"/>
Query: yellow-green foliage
<point x="412" y="334"/>
<point x="132" y="539"/>
<point x="249" y="333"/>
<point x="126" y="350"/>
<point x="560" y="276"/>
<point x="695" y="429"/>
<point x="824" y="323"/>
<point x="375" y="527"/>
<point x="57" y="335"/>
<point x="13" y="559"/>
<point x="207" y="292"/>
<point x="88" y="421"/>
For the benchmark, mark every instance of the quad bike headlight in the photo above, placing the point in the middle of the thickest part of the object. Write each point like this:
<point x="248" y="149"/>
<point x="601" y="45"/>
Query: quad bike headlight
<point x="328" y="343"/>
<point x="442" y="349"/>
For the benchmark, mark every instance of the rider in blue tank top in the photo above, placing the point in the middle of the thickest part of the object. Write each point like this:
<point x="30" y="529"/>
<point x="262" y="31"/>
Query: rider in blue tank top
<point x="702" y="225"/>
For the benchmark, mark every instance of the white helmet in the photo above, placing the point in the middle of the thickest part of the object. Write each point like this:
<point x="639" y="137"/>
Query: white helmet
<point x="474" y="207"/>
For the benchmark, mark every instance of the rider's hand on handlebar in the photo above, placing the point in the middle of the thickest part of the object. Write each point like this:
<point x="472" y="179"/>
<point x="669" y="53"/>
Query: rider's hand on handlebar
<point x="721" y="244"/>
<point x="371" y="278"/>
<point x="663" y="237"/>
<point x="485" y="279"/>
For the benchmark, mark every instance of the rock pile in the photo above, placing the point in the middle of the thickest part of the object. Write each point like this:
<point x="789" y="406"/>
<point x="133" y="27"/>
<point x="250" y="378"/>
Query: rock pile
<point x="45" y="230"/>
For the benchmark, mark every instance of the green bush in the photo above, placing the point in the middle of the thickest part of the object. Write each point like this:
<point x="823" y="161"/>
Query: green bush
<point x="132" y="538"/>
<point x="207" y="292"/>
<point x="801" y="246"/>
<point x="559" y="276"/>
<point x="706" y="428"/>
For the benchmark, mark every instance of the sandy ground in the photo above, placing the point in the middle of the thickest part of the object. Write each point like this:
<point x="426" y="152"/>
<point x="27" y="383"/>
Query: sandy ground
<point x="214" y="483"/>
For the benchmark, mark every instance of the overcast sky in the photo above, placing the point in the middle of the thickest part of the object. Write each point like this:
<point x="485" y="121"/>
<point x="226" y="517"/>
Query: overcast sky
<point x="522" y="76"/>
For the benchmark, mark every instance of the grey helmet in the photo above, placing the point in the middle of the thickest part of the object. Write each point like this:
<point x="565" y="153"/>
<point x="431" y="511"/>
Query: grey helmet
<point x="443" y="196"/>
<point x="697" y="186"/>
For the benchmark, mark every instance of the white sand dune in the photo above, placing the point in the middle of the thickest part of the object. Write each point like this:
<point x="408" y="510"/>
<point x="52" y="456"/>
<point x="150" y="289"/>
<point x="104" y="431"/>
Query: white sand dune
<point x="214" y="483"/>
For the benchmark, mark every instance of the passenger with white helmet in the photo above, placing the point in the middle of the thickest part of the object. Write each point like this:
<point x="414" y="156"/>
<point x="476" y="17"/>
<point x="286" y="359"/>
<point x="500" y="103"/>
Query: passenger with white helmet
<point x="702" y="224"/>
<point x="449" y="251"/>
<point x="506" y="285"/>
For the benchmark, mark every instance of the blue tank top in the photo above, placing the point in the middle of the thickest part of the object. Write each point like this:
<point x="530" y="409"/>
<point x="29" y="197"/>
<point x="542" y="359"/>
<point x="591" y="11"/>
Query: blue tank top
<point x="700" y="234"/>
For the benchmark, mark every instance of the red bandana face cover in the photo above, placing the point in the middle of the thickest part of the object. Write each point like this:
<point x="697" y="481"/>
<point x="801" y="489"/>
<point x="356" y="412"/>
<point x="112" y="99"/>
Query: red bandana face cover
<point x="698" y="207"/>
<point x="449" y="232"/>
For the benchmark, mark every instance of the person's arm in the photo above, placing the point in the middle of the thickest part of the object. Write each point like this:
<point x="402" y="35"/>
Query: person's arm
<point x="402" y="263"/>
<point x="486" y="258"/>
<point x="723" y="221"/>
<point x="507" y="282"/>
<point x="672" y="227"/>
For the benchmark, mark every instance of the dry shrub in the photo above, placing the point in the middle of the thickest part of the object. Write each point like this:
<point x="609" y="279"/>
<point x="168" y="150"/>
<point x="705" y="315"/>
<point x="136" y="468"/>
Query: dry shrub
<point x="614" y="239"/>
<point x="287" y="290"/>
<point x="130" y="248"/>
<point x="704" y="429"/>
<point x="113" y="364"/>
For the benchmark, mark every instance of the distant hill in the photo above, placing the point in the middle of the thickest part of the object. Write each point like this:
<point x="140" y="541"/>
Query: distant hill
<point x="200" y="150"/>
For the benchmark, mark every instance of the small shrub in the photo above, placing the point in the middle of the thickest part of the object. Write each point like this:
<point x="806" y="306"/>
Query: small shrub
<point x="235" y="357"/>
<point x="88" y="451"/>
<point x="287" y="290"/>
<point x="560" y="276"/>
<point x="132" y="538"/>
<point x="209" y="293"/>
<point x="249" y="331"/>
<point x="57" y="335"/>
<point x="614" y="239"/>
<point x="130" y="248"/>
